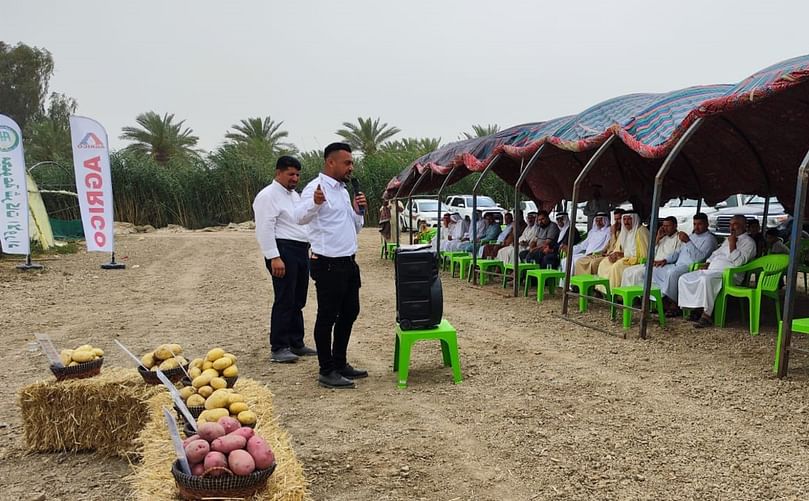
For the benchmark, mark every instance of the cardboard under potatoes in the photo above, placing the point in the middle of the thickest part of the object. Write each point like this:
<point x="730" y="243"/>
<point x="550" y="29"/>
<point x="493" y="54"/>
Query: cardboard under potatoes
<point x="152" y="479"/>
<point x="103" y="413"/>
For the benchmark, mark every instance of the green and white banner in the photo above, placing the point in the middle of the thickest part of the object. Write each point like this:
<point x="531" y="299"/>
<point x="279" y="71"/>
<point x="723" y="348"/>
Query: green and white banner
<point x="13" y="190"/>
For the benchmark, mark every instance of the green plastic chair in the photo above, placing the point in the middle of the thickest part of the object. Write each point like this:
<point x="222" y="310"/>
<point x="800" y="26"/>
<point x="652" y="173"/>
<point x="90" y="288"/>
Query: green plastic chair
<point x="392" y="246"/>
<point x="484" y="265"/>
<point x="799" y="325"/>
<point x="585" y="284"/>
<point x="446" y="257"/>
<point x="768" y="270"/>
<point x="445" y="333"/>
<point x="628" y="296"/>
<point x="463" y="261"/>
<point x="522" y="268"/>
<point x="543" y="276"/>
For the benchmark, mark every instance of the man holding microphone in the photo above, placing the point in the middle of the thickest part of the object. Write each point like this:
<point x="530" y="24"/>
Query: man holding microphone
<point x="284" y="245"/>
<point x="333" y="223"/>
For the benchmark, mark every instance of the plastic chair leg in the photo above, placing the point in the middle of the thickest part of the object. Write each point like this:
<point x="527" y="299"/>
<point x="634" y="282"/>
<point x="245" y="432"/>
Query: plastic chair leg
<point x="777" y="347"/>
<point x="404" y="362"/>
<point x="445" y="352"/>
<point x="719" y="309"/>
<point x="661" y="314"/>
<point x="454" y="359"/>
<point x="627" y="315"/>
<point x="755" y="314"/>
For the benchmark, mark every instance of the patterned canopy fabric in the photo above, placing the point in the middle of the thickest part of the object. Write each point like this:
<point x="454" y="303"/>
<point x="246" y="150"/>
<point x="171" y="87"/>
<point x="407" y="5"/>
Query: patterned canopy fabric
<point x="753" y="137"/>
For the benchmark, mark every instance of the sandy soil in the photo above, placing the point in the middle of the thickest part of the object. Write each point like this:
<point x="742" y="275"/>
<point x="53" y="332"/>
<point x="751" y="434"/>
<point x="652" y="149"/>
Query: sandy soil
<point x="547" y="409"/>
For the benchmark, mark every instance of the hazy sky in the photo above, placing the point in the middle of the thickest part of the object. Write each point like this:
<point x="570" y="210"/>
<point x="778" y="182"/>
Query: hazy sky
<point x="432" y="68"/>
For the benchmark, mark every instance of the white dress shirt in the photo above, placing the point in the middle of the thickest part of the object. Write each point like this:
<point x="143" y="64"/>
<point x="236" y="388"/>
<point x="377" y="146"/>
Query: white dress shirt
<point x="274" y="209"/>
<point x="332" y="225"/>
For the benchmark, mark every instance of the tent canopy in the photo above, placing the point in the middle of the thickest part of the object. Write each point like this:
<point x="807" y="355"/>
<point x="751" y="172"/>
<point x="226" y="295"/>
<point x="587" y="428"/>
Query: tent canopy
<point x="753" y="137"/>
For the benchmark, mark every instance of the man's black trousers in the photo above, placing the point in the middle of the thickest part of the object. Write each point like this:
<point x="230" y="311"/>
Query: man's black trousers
<point x="337" y="281"/>
<point x="286" y="320"/>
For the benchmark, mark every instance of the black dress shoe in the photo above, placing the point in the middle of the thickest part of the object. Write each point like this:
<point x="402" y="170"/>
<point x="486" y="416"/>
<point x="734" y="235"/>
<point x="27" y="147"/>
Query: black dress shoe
<point x="283" y="356"/>
<point x="352" y="373"/>
<point x="703" y="322"/>
<point x="334" y="380"/>
<point x="303" y="351"/>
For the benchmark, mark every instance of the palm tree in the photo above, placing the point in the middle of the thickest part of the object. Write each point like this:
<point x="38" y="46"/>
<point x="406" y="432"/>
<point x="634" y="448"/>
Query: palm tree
<point x="160" y="138"/>
<point x="368" y="136"/>
<point x="480" y="131"/>
<point x="421" y="145"/>
<point x="262" y="133"/>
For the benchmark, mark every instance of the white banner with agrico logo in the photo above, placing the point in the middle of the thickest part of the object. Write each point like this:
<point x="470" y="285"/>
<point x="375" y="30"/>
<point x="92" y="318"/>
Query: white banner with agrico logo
<point x="91" y="163"/>
<point x="13" y="190"/>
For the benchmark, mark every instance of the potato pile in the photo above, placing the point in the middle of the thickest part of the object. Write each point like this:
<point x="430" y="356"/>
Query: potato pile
<point x="217" y="363"/>
<point x="83" y="354"/>
<point x="165" y="357"/>
<point x="222" y="402"/>
<point x="226" y="444"/>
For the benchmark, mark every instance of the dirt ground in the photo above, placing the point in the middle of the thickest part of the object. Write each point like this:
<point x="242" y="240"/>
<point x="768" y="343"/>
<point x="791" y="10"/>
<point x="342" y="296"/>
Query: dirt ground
<point x="547" y="409"/>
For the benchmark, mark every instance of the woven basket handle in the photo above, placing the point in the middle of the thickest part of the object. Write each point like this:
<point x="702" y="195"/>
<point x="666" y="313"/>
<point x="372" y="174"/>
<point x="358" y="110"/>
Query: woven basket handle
<point x="215" y="468"/>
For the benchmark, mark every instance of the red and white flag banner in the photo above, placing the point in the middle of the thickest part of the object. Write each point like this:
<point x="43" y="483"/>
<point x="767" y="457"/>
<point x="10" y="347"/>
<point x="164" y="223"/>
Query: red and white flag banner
<point x="91" y="163"/>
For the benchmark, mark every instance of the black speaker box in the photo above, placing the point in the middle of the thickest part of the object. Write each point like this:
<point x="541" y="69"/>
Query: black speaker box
<point x="419" y="298"/>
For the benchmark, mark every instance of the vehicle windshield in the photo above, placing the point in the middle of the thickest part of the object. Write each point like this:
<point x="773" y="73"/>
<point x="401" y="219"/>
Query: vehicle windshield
<point x="757" y="200"/>
<point x="430" y="206"/>
<point x="484" y="201"/>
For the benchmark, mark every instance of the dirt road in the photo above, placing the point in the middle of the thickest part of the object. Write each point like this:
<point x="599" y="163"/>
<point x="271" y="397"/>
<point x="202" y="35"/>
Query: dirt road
<point x="547" y="409"/>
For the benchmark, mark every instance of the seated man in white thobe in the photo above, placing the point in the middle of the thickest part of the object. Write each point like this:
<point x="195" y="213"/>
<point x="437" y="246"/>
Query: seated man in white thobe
<point x="455" y="238"/>
<point x="595" y="242"/>
<point x="506" y="254"/>
<point x="695" y="248"/>
<point x="666" y="243"/>
<point x="699" y="289"/>
<point x="446" y="229"/>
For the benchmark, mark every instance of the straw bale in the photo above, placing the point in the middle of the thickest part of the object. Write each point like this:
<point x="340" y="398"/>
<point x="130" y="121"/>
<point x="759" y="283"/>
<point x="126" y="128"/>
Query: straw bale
<point x="152" y="479"/>
<point x="104" y="413"/>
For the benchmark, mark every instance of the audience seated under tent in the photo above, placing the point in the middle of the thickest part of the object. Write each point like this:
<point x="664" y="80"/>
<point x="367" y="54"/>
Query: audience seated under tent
<point x="667" y="242"/>
<point x="526" y="236"/>
<point x="595" y="243"/>
<point x="633" y="243"/>
<point x="699" y="289"/>
<point x="588" y="265"/>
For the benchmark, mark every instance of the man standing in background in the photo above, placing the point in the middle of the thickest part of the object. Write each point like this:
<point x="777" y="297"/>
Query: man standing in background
<point x="285" y="246"/>
<point x="334" y="222"/>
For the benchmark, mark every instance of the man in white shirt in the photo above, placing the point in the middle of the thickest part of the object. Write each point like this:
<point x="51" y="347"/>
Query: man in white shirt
<point x="333" y="223"/>
<point x="285" y="247"/>
<point x="699" y="289"/>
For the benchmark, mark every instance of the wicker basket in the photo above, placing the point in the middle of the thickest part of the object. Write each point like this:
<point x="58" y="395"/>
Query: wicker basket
<point x="173" y="375"/>
<point x="224" y="486"/>
<point x="81" y="371"/>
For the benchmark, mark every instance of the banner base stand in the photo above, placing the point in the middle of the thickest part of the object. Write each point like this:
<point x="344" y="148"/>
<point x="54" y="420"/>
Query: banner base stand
<point x="112" y="265"/>
<point x="29" y="266"/>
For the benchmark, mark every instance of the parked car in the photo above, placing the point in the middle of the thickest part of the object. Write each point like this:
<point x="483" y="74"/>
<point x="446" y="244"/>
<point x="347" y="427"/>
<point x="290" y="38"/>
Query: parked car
<point x="462" y="204"/>
<point x="424" y="209"/>
<point x="752" y="207"/>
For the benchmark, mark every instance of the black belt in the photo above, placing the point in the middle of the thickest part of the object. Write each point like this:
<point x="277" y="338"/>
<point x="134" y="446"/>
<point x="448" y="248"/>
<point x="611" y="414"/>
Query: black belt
<point x="325" y="259"/>
<point x="294" y="243"/>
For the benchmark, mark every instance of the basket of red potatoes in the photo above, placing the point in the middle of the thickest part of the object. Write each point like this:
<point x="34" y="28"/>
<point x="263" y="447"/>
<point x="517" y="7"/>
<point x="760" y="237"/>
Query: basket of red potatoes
<point x="226" y="460"/>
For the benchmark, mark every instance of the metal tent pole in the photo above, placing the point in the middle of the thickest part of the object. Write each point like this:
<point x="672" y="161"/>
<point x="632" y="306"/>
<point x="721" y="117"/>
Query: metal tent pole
<point x="410" y="201"/>
<point x="523" y="174"/>
<point x="792" y="271"/>
<point x="658" y="188"/>
<point x="765" y="214"/>
<point x="473" y="275"/>
<point x="438" y="231"/>
<point x="576" y="185"/>
<point x="395" y="204"/>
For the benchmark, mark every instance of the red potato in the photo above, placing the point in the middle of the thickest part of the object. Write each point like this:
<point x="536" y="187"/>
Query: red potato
<point x="241" y="462"/>
<point x="197" y="469"/>
<point x="215" y="459"/>
<point x="210" y="431"/>
<point x="190" y="439"/>
<point x="244" y="431"/>
<point x="261" y="452"/>
<point x="197" y="450"/>
<point x="229" y="423"/>
<point x="228" y="443"/>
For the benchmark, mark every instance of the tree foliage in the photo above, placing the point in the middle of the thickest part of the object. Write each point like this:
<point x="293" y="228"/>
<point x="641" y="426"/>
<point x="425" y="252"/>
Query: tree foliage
<point x="367" y="135"/>
<point x="260" y="134"/>
<point x="48" y="138"/>
<point x="162" y="139"/>
<point x="24" y="75"/>
<point x="481" y="131"/>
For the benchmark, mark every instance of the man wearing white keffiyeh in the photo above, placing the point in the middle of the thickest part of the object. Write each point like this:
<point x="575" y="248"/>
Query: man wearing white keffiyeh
<point x="633" y="242"/>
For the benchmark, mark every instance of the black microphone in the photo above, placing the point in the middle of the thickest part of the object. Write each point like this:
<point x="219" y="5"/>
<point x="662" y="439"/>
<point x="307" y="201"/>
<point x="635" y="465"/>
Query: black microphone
<point x="355" y="185"/>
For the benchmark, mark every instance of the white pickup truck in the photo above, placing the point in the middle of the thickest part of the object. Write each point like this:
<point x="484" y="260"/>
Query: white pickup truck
<point x="462" y="204"/>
